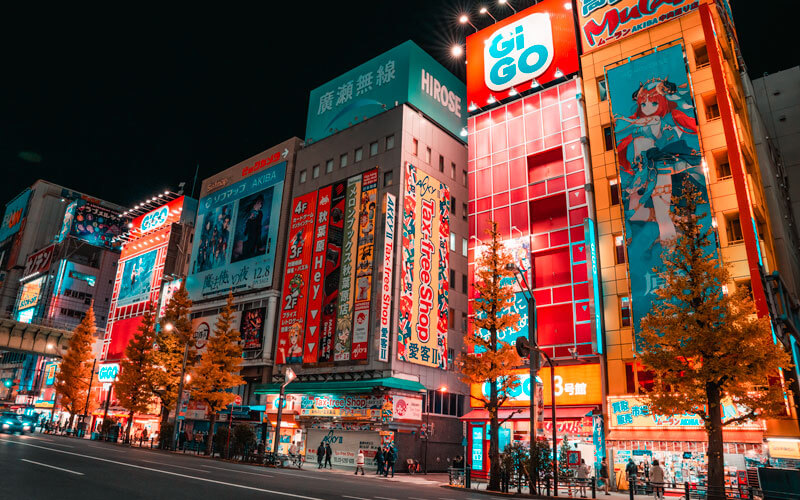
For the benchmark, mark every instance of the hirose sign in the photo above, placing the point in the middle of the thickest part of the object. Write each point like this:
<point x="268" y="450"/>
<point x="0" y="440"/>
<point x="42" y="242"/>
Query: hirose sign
<point x="574" y="385"/>
<point x="534" y="43"/>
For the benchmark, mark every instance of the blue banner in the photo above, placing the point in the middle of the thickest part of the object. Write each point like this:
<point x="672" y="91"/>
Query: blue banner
<point x="15" y="211"/>
<point x="655" y="128"/>
<point x="235" y="236"/>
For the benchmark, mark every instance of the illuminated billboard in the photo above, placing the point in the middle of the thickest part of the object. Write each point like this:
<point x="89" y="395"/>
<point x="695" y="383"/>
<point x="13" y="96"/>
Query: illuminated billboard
<point x="38" y="262"/>
<point x="422" y="335"/>
<point x="390" y="223"/>
<point x="252" y="328"/>
<point x="31" y="292"/>
<point x="203" y="329"/>
<point x="658" y="148"/>
<point x="403" y="74"/>
<point x="94" y="223"/>
<point x="530" y="48"/>
<point x="606" y="21"/>
<point x="574" y="385"/>
<point x="167" y="291"/>
<point x="137" y="278"/>
<point x="13" y="215"/>
<point x="236" y="235"/>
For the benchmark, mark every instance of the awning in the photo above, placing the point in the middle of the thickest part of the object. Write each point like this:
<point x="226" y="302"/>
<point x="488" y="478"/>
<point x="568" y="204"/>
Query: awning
<point x="341" y="386"/>
<point x="522" y="413"/>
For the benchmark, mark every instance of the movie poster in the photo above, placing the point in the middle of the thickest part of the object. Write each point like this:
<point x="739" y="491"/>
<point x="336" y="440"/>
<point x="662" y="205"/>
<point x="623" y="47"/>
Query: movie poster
<point x="214" y="235"/>
<point x="368" y="209"/>
<point x="252" y="328"/>
<point x="333" y="263"/>
<point x="344" y="315"/>
<point x="137" y="276"/>
<point x="657" y="146"/>
<point x="252" y="237"/>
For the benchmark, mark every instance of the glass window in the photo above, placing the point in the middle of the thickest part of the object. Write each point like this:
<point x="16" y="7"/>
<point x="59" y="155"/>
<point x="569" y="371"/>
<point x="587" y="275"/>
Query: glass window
<point x="464" y="177"/>
<point x="625" y="311"/>
<point x="428" y="156"/>
<point x="343" y="160"/>
<point x="303" y="176"/>
<point x="373" y="148"/>
<point x="602" y="89"/>
<point x="712" y="107"/>
<point x="464" y="247"/>
<point x="452" y="242"/>
<point x="464" y="211"/>
<point x="329" y="166"/>
<point x="613" y="184"/>
<point x="619" y="249"/>
<point x="464" y="283"/>
<point x="359" y="154"/>
<point x="701" y="55"/>
<point x="463" y="323"/>
<point x="387" y="178"/>
<point x="453" y="204"/>
<point x="389" y="142"/>
<point x="315" y="171"/>
<point x="608" y="137"/>
<point x="452" y="276"/>
<point x="441" y="163"/>
<point x="414" y="147"/>
<point x="452" y="170"/>
<point x="734" y="228"/>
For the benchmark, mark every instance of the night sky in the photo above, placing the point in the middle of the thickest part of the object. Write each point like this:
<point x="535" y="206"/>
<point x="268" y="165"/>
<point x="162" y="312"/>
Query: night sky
<point x="123" y="104"/>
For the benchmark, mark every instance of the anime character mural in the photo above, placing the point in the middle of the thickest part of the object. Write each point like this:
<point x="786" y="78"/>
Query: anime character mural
<point x="658" y="147"/>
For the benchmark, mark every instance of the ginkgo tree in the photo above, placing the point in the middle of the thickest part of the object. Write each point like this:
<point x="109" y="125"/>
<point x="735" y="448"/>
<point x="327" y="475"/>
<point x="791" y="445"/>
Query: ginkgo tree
<point x="492" y="362"/>
<point x="707" y="348"/>
<point x="74" y="377"/>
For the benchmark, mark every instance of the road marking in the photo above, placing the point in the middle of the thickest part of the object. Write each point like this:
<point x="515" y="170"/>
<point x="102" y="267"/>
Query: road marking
<point x="52" y="466"/>
<point x="170" y="465"/>
<point x="51" y="442"/>
<point x="386" y="498"/>
<point x="234" y="470"/>
<point x="169" y="473"/>
<point x="355" y="498"/>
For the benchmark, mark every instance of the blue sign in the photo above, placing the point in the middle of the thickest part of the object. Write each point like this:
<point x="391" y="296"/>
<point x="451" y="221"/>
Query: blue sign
<point x="594" y="283"/>
<point x="404" y="74"/>
<point x="15" y="211"/>
<point x="476" y="456"/>
<point x="512" y="333"/>
<point x="235" y="236"/>
<point x="657" y="143"/>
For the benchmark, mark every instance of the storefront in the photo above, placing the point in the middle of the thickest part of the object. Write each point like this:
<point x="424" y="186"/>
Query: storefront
<point x="678" y="442"/>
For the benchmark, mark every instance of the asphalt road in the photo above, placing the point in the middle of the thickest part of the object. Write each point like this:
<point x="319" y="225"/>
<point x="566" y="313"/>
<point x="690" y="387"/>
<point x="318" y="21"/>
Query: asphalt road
<point x="45" y="466"/>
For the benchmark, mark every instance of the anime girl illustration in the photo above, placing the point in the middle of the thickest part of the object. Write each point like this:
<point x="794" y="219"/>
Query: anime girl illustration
<point x="656" y="144"/>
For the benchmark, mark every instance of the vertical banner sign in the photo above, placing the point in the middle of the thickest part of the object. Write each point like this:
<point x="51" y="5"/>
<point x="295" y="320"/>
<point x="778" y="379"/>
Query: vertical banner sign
<point x="344" y="320"/>
<point x="655" y="127"/>
<point x="364" y="262"/>
<point x="595" y="311"/>
<point x="444" y="264"/>
<point x="422" y="297"/>
<point x="390" y="211"/>
<point x="295" y="283"/>
<point x="317" y="277"/>
<point x="333" y="263"/>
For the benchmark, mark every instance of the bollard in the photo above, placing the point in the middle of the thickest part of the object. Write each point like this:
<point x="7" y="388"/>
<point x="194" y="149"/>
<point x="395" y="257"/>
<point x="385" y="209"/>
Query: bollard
<point x="468" y="477"/>
<point x="548" y="486"/>
<point x="631" y="487"/>
<point x="594" y="487"/>
<point x="686" y="490"/>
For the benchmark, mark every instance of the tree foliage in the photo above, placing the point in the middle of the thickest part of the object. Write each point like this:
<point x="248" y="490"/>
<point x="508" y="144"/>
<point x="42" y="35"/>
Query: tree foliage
<point x="705" y="345"/>
<point x="134" y="387"/>
<point x="218" y="369"/>
<point x="496" y="360"/>
<point x="75" y="373"/>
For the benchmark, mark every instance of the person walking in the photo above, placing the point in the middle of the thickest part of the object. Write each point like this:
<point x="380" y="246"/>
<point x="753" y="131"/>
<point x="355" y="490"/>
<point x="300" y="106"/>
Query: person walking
<point x="360" y="462"/>
<point x="657" y="480"/>
<point x="391" y="458"/>
<point x="631" y="470"/>
<point x="582" y="475"/>
<point x="320" y="454"/>
<point x="379" y="459"/>
<point x="604" y="474"/>
<point x="328" y="454"/>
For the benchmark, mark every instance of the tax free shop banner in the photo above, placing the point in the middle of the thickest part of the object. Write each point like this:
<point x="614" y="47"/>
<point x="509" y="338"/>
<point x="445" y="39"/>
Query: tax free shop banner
<point x="404" y="74"/>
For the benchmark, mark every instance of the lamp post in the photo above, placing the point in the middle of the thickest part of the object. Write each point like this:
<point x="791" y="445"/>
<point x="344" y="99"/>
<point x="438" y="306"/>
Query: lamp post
<point x="288" y="377"/>
<point x="88" y="394"/>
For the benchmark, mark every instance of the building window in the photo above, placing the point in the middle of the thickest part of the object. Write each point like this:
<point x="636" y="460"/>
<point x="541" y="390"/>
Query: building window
<point x="315" y="171"/>
<point x="443" y="403"/>
<point x="712" y="107"/>
<point x="453" y="204"/>
<point x="644" y="377"/>
<point x="441" y="163"/>
<point x="464" y="247"/>
<point x="343" y="160"/>
<point x="464" y="284"/>
<point x="464" y="178"/>
<point x="389" y="142"/>
<point x="747" y="285"/>
<point x="723" y="166"/>
<point x="602" y="89"/>
<point x="452" y="170"/>
<point x="733" y="227"/>
<point x="464" y="211"/>
<point x="619" y="248"/>
<point x="359" y="154"/>
<point x="613" y="185"/>
<point x="452" y="242"/>
<point x="452" y="317"/>
<point x="387" y="178"/>
<point x="608" y="138"/>
<point x="452" y="276"/>
<point x="700" y="55"/>
<point x="625" y="311"/>
<point x="428" y="155"/>
<point x="463" y="322"/>
<point x="303" y="176"/>
<point x="373" y="149"/>
<point x="329" y="166"/>
<point x="414" y="147"/>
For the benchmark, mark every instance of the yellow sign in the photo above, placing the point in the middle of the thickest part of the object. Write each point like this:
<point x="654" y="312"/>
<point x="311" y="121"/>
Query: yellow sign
<point x="574" y="385"/>
<point x="784" y="448"/>
<point x="631" y="412"/>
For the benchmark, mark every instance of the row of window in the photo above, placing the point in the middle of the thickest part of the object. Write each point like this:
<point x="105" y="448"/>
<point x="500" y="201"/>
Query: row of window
<point x="344" y="160"/>
<point x="429" y="157"/>
<point x="439" y="402"/>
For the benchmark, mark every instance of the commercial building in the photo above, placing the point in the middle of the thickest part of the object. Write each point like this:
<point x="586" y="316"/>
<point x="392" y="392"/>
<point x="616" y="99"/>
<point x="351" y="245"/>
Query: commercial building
<point x="374" y="299"/>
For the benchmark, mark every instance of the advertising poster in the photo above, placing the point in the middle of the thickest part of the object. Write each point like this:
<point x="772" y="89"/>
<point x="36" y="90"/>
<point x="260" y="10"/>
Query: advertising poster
<point x="316" y="291"/>
<point x="137" y="276"/>
<point x="235" y="236"/>
<point x="418" y="340"/>
<point x="295" y="288"/>
<point x="50" y="372"/>
<point x="574" y="385"/>
<point x="512" y="333"/>
<point x="66" y="224"/>
<point x="604" y="21"/>
<point x="203" y="329"/>
<point x="252" y="328"/>
<point x="96" y="225"/>
<point x="13" y="215"/>
<point x="367" y="212"/>
<point x="344" y="444"/>
<point x="406" y="408"/>
<point x="31" y="291"/>
<point x="444" y="266"/>
<point x="167" y="291"/>
<point x="390" y="215"/>
<point x="655" y="128"/>
<point x="344" y="319"/>
<point x="634" y="413"/>
<point x="333" y="268"/>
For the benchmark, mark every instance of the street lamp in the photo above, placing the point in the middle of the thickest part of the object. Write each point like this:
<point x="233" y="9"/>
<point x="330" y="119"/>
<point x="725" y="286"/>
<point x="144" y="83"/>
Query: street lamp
<point x="505" y="2"/>
<point x="288" y="377"/>
<point x="465" y="20"/>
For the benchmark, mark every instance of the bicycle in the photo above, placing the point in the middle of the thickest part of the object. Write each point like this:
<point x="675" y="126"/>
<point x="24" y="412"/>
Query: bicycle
<point x="296" y="460"/>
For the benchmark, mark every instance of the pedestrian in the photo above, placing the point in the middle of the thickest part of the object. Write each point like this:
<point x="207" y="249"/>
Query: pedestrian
<point x="604" y="474"/>
<point x="360" y="462"/>
<point x="631" y="470"/>
<point x="320" y="454"/>
<point x="582" y="475"/>
<point x="379" y="459"/>
<point x="657" y="480"/>
<point x="328" y="454"/>
<point x="391" y="458"/>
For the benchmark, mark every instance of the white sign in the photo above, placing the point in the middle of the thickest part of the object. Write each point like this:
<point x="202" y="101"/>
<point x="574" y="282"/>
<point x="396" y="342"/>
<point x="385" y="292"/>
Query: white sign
<point x="390" y="206"/>
<point x="407" y="408"/>
<point x="344" y="444"/>
<point x="108" y="373"/>
<point x="518" y="52"/>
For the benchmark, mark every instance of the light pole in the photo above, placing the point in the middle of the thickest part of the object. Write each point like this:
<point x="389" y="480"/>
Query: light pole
<point x="552" y="416"/>
<point x="88" y="394"/>
<point x="288" y="377"/>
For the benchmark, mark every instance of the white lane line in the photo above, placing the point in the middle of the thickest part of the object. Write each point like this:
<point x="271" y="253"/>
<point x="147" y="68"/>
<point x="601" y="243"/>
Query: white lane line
<point x="52" y="442"/>
<point x="169" y="473"/>
<point x="170" y="465"/>
<point x="354" y="498"/>
<point x="52" y="466"/>
<point x="386" y="498"/>
<point x="234" y="470"/>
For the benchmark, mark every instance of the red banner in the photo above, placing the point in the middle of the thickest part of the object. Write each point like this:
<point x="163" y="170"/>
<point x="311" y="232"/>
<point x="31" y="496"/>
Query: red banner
<point x="315" y="290"/>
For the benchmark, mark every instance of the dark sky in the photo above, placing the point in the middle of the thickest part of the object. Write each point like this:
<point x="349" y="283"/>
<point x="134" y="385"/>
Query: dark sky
<point x="124" y="103"/>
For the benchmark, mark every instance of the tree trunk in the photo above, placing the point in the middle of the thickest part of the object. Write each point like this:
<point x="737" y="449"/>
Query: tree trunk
<point x="716" y="462"/>
<point x="210" y="438"/>
<point x="494" y="444"/>
<point x="163" y="440"/>
<point x="128" y="428"/>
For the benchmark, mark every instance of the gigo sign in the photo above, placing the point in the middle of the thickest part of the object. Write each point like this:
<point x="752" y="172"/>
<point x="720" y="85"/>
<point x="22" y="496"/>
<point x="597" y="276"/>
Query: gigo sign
<point x="574" y="385"/>
<point x="538" y="42"/>
<point x="108" y="373"/>
<point x="155" y="219"/>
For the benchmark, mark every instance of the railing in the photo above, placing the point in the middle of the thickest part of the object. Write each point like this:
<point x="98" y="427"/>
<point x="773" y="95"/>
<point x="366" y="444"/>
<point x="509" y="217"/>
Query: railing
<point x="694" y="491"/>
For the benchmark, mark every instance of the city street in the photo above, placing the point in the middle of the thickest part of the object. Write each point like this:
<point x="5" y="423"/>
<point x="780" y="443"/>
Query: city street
<point x="46" y="466"/>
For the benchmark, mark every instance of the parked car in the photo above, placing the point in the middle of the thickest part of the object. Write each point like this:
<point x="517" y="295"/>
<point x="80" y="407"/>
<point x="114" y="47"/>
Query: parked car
<point x="11" y="423"/>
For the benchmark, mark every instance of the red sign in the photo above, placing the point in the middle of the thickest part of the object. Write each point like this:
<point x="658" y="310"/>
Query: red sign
<point x="537" y="43"/>
<point x="295" y="283"/>
<point x="237" y="400"/>
<point x="38" y="262"/>
<point x="316" y="291"/>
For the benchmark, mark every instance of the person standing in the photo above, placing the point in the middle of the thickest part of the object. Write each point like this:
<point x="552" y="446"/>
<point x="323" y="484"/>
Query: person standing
<point x="582" y="475"/>
<point x="391" y="458"/>
<point x="631" y="471"/>
<point x="657" y="480"/>
<point x="320" y="455"/>
<point x="379" y="459"/>
<point x="328" y="454"/>
<point x="360" y="462"/>
<point x="604" y="474"/>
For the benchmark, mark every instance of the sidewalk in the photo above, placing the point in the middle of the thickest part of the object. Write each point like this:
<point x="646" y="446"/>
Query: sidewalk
<point x="431" y="479"/>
